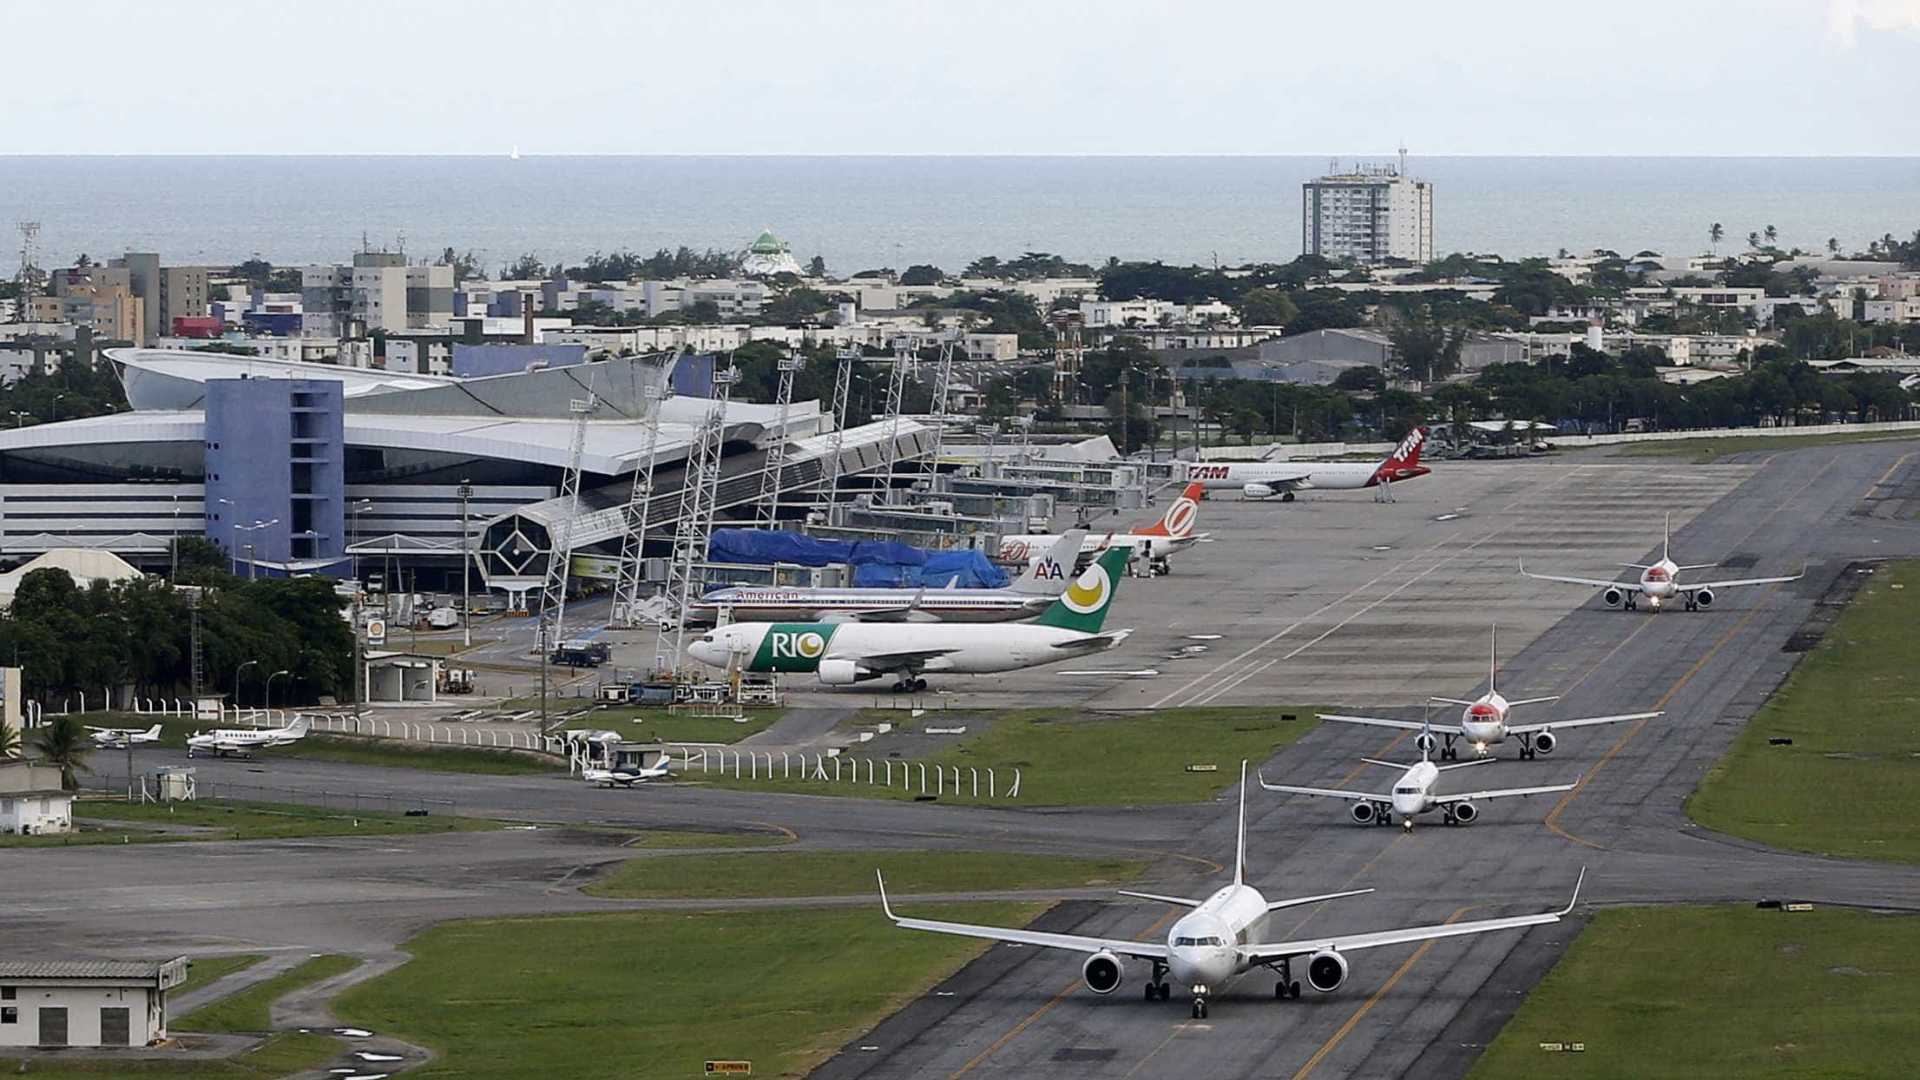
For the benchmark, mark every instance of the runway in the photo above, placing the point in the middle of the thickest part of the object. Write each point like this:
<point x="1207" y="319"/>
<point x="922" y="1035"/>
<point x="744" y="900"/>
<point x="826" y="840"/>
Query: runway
<point x="1310" y="612"/>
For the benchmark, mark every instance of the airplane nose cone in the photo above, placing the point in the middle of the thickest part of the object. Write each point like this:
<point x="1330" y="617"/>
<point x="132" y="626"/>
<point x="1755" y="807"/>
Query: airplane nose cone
<point x="706" y="652"/>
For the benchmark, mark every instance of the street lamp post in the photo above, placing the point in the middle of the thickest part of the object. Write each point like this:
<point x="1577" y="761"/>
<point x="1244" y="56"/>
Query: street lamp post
<point x="353" y="535"/>
<point x="253" y="567"/>
<point x="270" y="678"/>
<point x="236" y="685"/>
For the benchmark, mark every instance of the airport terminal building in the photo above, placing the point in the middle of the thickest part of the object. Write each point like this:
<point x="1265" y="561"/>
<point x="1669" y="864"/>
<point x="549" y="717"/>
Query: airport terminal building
<point x="311" y="468"/>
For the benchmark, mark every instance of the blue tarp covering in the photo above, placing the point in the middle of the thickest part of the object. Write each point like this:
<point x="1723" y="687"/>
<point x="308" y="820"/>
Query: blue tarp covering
<point x="876" y="563"/>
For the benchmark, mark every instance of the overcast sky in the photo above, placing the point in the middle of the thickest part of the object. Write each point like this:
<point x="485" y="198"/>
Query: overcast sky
<point x="1759" y="77"/>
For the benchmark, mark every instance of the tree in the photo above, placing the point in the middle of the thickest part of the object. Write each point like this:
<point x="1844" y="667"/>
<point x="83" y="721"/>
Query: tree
<point x="985" y="266"/>
<point x="200" y="561"/>
<point x="1772" y="235"/>
<point x="922" y="274"/>
<point x="527" y="267"/>
<point x="817" y="267"/>
<point x="9" y="739"/>
<point x="1833" y="245"/>
<point x="1753" y="240"/>
<point x="1266" y="307"/>
<point x="465" y="265"/>
<point x="1715" y="233"/>
<point x="64" y="745"/>
<point x="1427" y="350"/>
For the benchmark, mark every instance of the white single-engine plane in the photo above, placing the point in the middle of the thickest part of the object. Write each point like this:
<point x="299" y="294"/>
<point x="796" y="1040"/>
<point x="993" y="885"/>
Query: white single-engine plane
<point x="1486" y="720"/>
<point x="119" y="738"/>
<point x="1659" y="582"/>
<point x="1220" y="938"/>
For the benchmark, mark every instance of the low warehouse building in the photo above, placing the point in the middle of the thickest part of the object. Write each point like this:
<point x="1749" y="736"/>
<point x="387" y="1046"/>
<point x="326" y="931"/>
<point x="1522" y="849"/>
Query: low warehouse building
<point x="32" y="802"/>
<point x="52" y="1003"/>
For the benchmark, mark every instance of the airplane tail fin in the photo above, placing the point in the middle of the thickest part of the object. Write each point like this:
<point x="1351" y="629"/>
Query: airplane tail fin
<point x="1240" y="843"/>
<point x="1666" y="537"/>
<point x="1179" y="519"/>
<point x="1085" y="603"/>
<point x="300" y="724"/>
<point x="1407" y="454"/>
<point x="1493" y="655"/>
<point x="1426" y="739"/>
<point x="153" y="732"/>
<point x="1049" y="573"/>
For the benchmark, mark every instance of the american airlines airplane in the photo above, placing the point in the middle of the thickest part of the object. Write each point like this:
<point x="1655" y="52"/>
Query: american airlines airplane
<point x="1413" y="794"/>
<point x="1219" y="938"/>
<point x="1267" y="479"/>
<point x="1155" y="543"/>
<point x="1660" y="581"/>
<point x="242" y="742"/>
<point x="1029" y="594"/>
<point x="1484" y="721"/>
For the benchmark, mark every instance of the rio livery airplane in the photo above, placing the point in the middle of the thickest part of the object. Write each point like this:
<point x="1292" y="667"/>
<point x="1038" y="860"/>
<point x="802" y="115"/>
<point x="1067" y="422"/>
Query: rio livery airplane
<point x="1219" y="938"/>
<point x="1659" y="581"/>
<point x="1484" y="720"/>
<point x="1266" y="479"/>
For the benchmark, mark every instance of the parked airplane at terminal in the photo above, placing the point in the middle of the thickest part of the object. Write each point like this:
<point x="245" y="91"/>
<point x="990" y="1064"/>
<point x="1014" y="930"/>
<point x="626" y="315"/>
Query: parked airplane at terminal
<point x="626" y="777"/>
<point x="841" y="653"/>
<point x="1219" y="938"/>
<point x="242" y="742"/>
<point x="1155" y="543"/>
<point x="1268" y="479"/>
<point x="1484" y="721"/>
<point x="1029" y="594"/>
<point x="120" y="737"/>
<point x="1659" y="581"/>
<point x="1413" y="794"/>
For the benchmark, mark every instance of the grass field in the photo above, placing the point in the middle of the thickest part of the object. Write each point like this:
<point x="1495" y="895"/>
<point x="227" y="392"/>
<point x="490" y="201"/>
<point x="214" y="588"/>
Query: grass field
<point x="1709" y="451"/>
<point x="115" y="821"/>
<point x="285" y="1054"/>
<point x="656" y="994"/>
<point x="250" y="1009"/>
<point x="657" y="725"/>
<point x="1702" y="993"/>
<point x="365" y="750"/>
<point x="205" y="969"/>
<point x="1069" y="758"/>
<point x="1848" y="784"/>
<point x="844" y="873"/>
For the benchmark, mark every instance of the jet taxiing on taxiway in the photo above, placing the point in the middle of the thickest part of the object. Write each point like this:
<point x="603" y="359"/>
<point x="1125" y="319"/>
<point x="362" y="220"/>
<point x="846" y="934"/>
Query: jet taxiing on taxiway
<point x="1659" y="581"/>
<point x="1413" y="794"/>
<point x="1219" y="938"/>
<point x="1485" y="721"/>
<point x="841" y="654"/>
<point x="1267" y="479"/>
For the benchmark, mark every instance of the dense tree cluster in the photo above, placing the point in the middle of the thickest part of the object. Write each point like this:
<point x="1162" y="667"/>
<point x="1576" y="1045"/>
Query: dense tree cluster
<point x="74" y="388"/>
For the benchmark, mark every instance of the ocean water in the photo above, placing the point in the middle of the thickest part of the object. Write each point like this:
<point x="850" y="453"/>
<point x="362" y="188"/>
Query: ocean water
<point x="863" y="212"/>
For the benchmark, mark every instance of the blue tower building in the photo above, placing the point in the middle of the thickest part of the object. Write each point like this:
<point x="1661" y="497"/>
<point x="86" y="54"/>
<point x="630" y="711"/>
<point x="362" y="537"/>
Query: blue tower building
<point x="276" y="473"/>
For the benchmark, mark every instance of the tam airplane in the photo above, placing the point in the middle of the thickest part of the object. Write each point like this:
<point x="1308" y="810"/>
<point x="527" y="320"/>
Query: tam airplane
<point x="1219" y="938"/>
<point x="1660" y="581"/>
<point x="1154" y="543"/>
<point x="1487" y="720"/>
<point x="121" y="737"/>
<point x="1414" y="793"/>
<point x="242" y="742"/>
<point x="1270" y="479"/>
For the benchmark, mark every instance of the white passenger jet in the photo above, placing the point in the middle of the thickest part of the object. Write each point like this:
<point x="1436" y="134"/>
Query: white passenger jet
<point x="119" y="738"/>
<point x="1219" y="938"/>
<point x="843" y="653"/>
<point x="242" y="742"/>
<point x="1659" y="581"/>
<point x="1484" y="721"/>
<point x="1155" y="543"/>
<point x="625" y="777"/>
<point x="1413" y="794"/>
<point x="1267" y="479"/>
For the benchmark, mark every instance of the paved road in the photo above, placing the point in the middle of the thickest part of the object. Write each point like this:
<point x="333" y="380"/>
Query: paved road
<point x="1376" y="630"/>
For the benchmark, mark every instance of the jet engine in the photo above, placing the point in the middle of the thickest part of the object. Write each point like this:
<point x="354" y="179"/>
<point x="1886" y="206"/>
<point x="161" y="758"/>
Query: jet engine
<point x="1256" y="491"/>
<point x="1426" y="742"/>
<point x="1612" y="597"/>
<point x="842" y="673"/>
<point x="1544" y="743"/>
<point x="1363" y="812"/>
<point x="1102" y="972"/>
<point x="1703" y="597"/>
<point x="1326" y="970"/>
<point x="1465" y="812"/>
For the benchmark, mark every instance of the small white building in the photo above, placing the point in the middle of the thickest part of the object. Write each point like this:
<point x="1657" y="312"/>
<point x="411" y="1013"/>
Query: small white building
<point x="54" y="1003"/>
<point x="32" y="803"/>
<point x="401" y="677"/>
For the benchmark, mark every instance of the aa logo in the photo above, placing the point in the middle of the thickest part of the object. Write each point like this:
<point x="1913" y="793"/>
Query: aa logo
<point x="1088" y="594"/>
<point x="1048" y="570"/>
<point x="807" y="645"/>
<point x="1179" y="517"/>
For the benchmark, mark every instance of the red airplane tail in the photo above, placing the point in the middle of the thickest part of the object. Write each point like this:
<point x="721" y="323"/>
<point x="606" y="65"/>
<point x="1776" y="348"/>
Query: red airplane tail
<point x="1404" y="462"/>
<point x="1180" y="517"/>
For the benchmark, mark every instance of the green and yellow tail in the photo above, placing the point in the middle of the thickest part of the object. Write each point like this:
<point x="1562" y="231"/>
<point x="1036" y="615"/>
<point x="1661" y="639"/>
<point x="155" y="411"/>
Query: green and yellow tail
<point x="1083" y="606"/>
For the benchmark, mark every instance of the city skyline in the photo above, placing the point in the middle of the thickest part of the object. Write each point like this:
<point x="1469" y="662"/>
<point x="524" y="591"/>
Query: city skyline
<point x="1767" y="79"/>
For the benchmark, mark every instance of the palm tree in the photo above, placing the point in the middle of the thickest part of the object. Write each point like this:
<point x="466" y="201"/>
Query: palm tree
<point x="1833" y="245"/>
<point x="64" y="744"/>
<point x="1753" y="240"/>
<point x="1772" y="235"/>
<point x="9" y="739"/>
<point x="1715" y="233"/>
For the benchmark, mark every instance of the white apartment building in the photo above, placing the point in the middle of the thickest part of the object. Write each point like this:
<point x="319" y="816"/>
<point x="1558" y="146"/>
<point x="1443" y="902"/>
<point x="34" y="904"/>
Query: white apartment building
<point x="1904" y="310"/>
<point x="378" y="292"/>
<point x="1369" y="215"/>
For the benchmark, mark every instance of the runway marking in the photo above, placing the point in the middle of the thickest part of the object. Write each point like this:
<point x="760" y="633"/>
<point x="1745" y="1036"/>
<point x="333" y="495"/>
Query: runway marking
<point x="1885" y="476"/>
<point x="1043" y="1010"/>
<point x="1367" y="1006"/>
<point x="790" y="834"/>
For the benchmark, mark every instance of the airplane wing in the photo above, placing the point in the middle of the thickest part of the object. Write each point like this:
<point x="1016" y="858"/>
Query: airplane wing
<point x="1326" y="793"/>
<point x="1404" y="725"/>
<point x="1687" y="588"/>
<point x="899" y="661"/>
<point x="1267" y="952"/>
<point x="1502" y="793"/>
<point x="1178" y="901"/>
<point x="1597" y="583"/>
<point x="1144" y="950"/>
<point x="902" y="613"/>
<point x="1584" y="721"/>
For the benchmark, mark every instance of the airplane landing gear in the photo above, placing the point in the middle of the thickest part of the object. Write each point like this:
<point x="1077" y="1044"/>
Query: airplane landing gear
<point x="911" y="684"/>
<point x="1199" y="1007"/>
<point x="1526" y="748"/>
<point x="1157" y="988"/>
<point x="1286" y="496"/>
<point x="1449" y="752"/>
<point x="1288" y="986"/>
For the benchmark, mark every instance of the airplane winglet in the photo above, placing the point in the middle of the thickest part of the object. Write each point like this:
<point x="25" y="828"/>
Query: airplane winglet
<point x="1579" y="881"/>
<point x="888" y="908"/>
